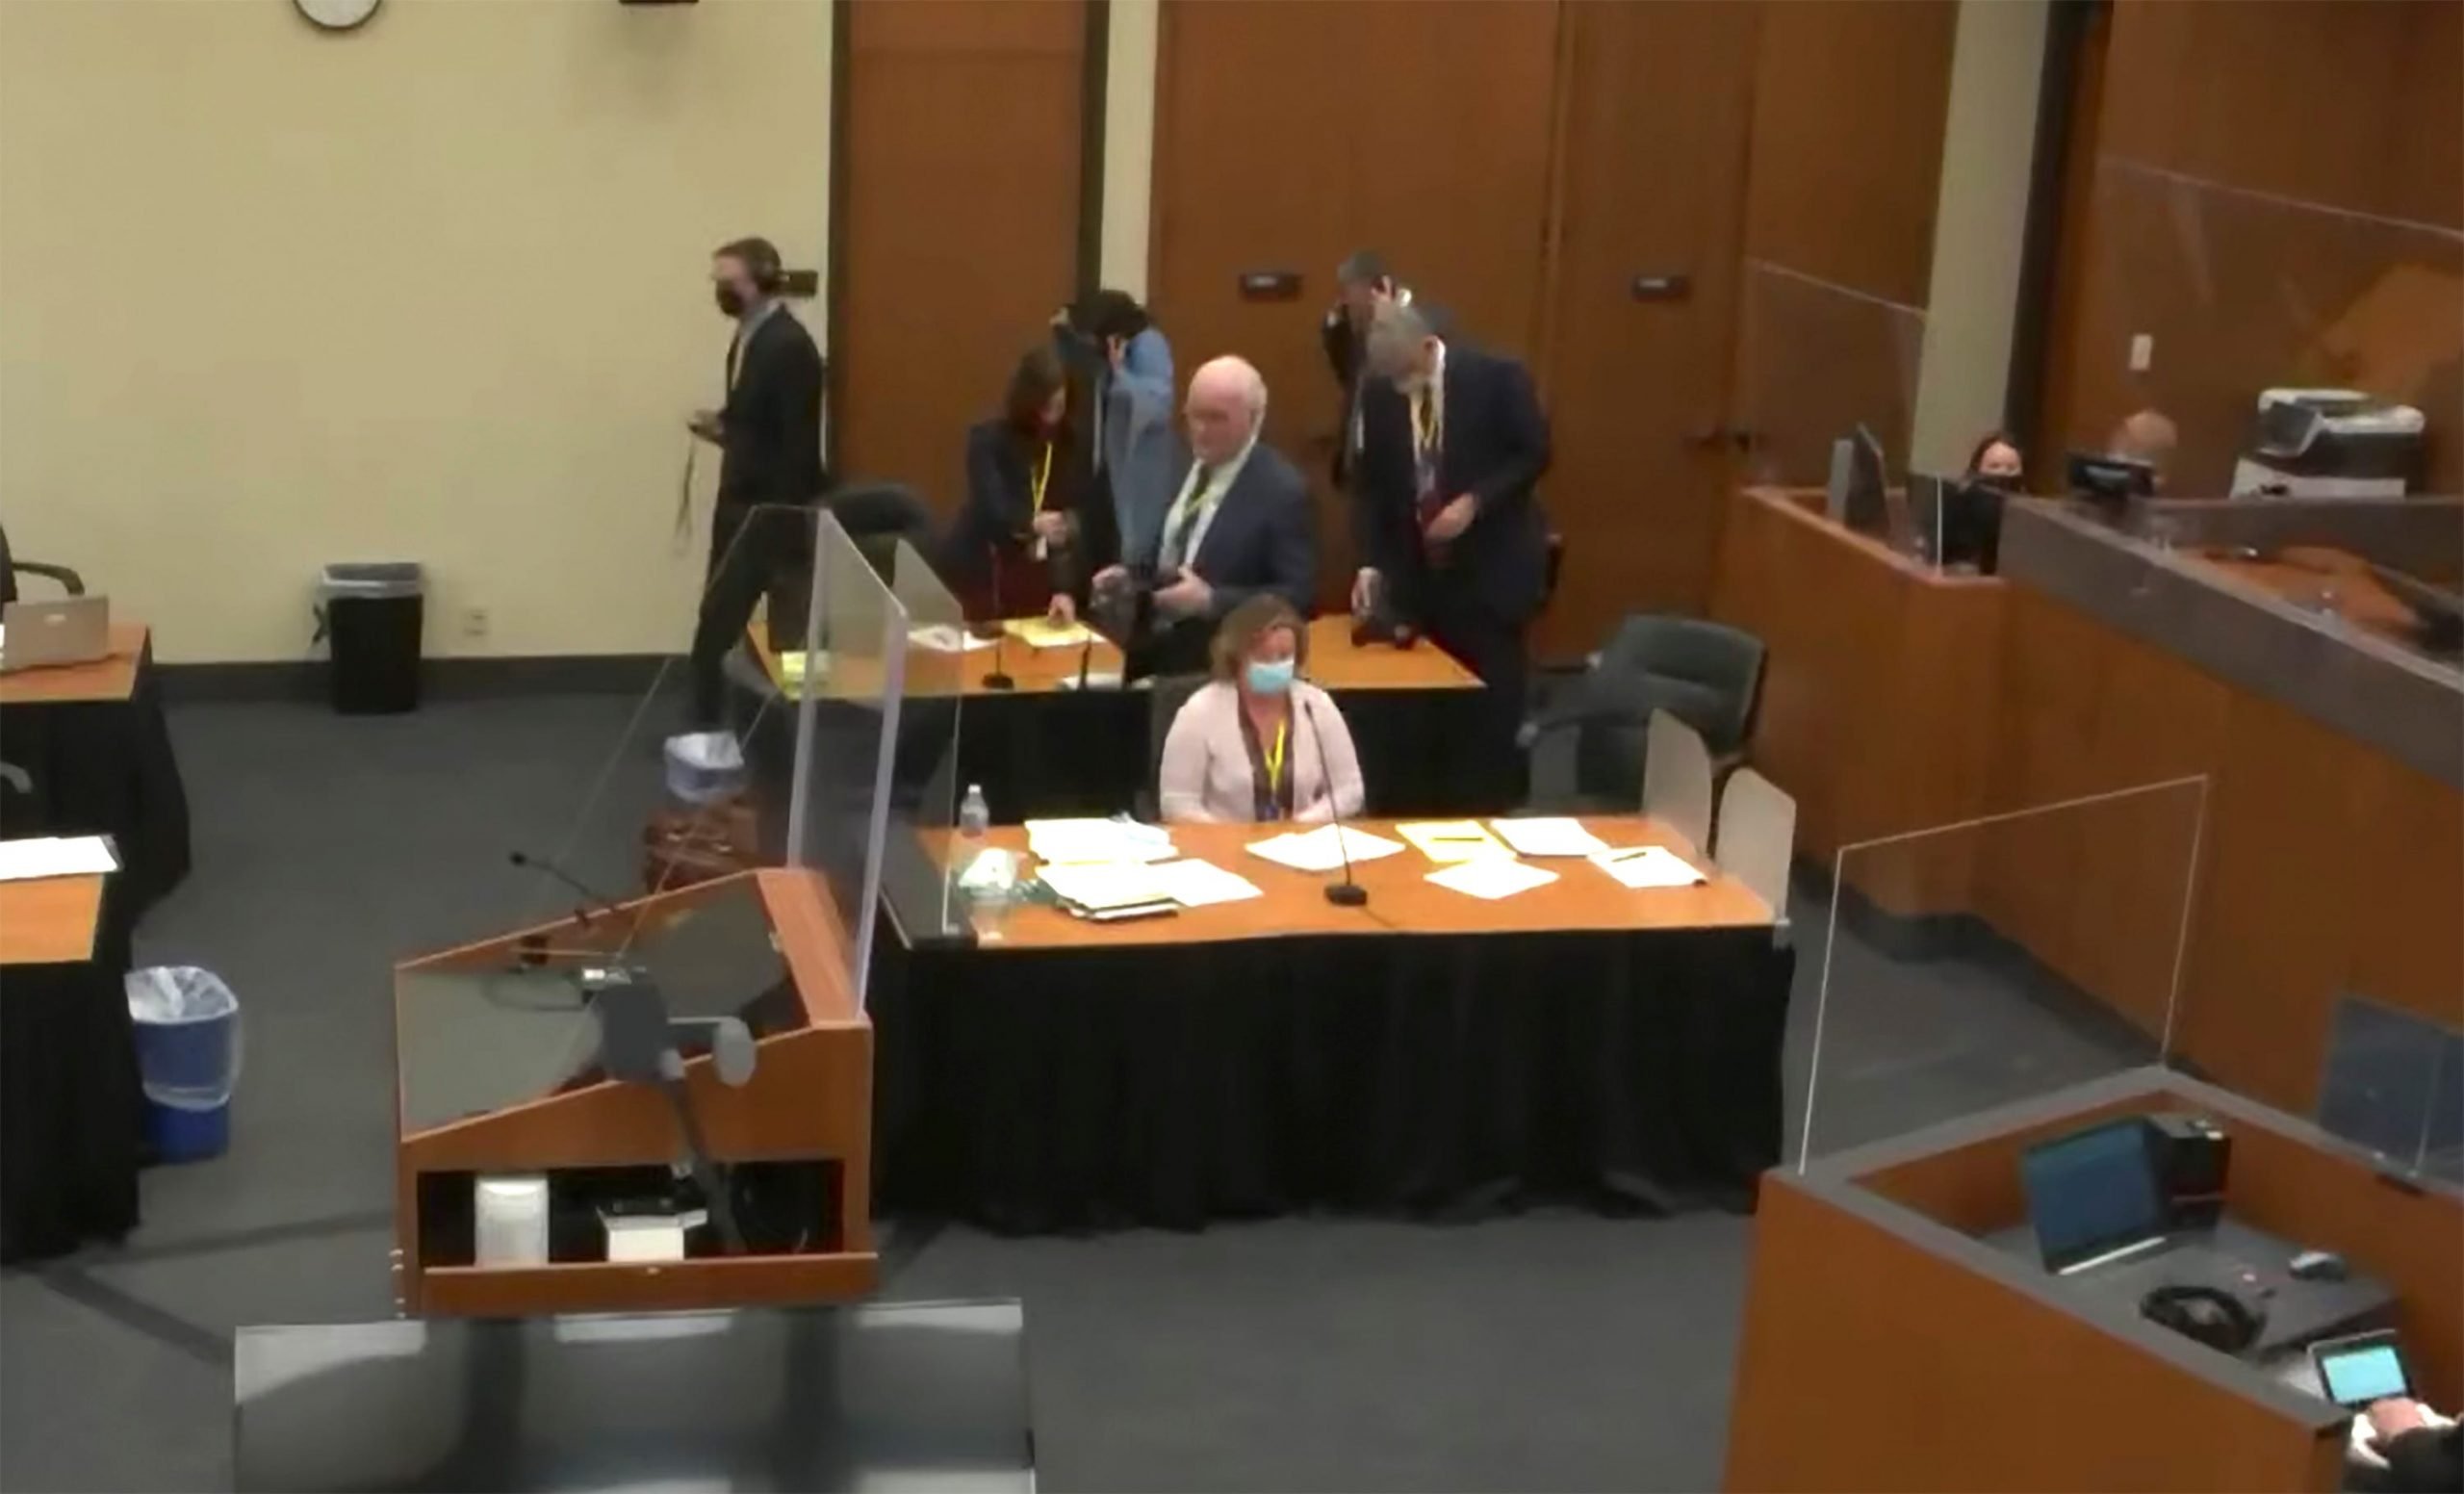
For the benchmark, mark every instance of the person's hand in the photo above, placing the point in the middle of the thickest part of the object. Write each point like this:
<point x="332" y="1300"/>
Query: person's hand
<point x="1064" y="610"/>
<point x="2394" y="1415"/>
<point x="1052" y="527"/>
<point x="704" y="424"/>
<point x="1452" y="520"/>
<point x="1187" y="597"/>
<point x="1112" y="577"/>
<point x="1364" y="591"/>
<point x="1060" y="318"/>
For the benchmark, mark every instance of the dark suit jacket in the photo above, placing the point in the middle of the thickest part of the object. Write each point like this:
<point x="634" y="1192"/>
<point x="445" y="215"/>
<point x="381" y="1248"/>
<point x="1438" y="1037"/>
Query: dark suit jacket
<point x="1262" y="539"/>
<point x="1347" y="355"/>
<point x="1496" y="447"/>
<point x="999" y="514"/>
<point x="771" y="426"/>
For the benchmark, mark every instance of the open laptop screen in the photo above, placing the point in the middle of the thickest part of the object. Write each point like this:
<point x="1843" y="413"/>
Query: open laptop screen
<point x="2093" y="1192"/>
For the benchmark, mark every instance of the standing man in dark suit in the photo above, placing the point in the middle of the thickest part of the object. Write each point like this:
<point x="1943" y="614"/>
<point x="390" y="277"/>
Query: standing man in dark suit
<point x="1450" y="536"/>
<point x="1238" y="526"/>
<point x="1363" y="283"/>
<point x="769" y="438"/>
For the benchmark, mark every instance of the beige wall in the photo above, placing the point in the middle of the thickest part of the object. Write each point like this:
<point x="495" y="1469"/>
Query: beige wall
<point x="1129" y="141"/>
<point x="431" y="290"/>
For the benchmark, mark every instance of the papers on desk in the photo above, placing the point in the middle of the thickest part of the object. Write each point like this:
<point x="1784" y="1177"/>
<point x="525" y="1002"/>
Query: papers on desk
<point x="36" y="857"/>
<point x="1452" y="839"/>
<point x="1098" y="887"/>
<point x="792" y="667"/>
<point x="947" y="638"/>
<point x="1318" y="849"/>
<point x="1547" y="836"/>
<point x="1084" y="840"/>
<point x="1042" y="633"/>
<point x="1096" y="679"/>
<point x="1492" y="877"/>
<point x="1648" y="866"/>
<point x="1197" y="883"/>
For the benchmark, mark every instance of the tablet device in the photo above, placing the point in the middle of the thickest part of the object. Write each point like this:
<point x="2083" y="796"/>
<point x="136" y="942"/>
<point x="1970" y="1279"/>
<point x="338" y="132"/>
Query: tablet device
<point x="2354" y="1371"/>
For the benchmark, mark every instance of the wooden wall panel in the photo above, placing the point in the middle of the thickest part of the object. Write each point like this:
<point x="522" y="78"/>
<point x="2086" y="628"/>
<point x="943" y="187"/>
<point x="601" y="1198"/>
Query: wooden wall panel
<point x="958" y="222"/>
<point x="1654" y="166"/>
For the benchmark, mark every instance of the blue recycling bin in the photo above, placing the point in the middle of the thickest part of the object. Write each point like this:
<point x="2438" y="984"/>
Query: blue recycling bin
<point x="188" y="1058"/>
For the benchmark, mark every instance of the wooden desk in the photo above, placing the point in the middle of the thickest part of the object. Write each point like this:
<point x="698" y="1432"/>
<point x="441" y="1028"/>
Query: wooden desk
<point x="2303" y="574"/>
<point x="109" y="678"/>
<point x="1401" y="899"/>
<point x="1879" y="690"/>
<point x="1886" y="1346"/>
<point x="49" y="921"/>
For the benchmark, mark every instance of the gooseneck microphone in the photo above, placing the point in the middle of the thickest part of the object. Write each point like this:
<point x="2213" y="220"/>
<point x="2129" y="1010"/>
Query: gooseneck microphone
<point x="1347" y="894"/>
<point x="999" y="678"/>
<point x="581" y="914"/>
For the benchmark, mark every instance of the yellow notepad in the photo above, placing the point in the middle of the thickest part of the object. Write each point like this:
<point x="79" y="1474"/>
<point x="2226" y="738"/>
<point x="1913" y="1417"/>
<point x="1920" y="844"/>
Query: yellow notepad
<point x="1454" y="840"/>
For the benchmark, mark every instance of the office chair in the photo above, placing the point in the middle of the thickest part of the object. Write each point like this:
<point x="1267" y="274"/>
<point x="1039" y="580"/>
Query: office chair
<point x="1705" y="674"/>
<point x="10" y="567"/>
<point x="1171" y="692"/>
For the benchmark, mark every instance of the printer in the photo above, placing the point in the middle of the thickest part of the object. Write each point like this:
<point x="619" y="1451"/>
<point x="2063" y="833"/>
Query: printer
<point x="2331" y="444"/>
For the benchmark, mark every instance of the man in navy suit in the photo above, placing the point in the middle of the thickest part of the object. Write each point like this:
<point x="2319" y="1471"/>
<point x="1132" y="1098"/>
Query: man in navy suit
<point x="1239" y="525"/>
<point x="1450" y="538"/>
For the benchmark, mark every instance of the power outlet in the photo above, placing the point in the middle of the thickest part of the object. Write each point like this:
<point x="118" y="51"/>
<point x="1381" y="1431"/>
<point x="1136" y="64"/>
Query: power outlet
<point x="475" y="622"/>
<point x="2142" y="351"/>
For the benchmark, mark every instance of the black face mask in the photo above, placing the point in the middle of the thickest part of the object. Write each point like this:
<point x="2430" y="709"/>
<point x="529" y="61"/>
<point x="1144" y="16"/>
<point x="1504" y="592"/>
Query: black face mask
<point x="1999" y="482"/>
<point x="730" y="299"/>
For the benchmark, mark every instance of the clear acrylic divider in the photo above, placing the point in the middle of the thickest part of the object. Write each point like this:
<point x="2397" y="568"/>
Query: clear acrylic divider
<point x="2394" y="1085"/>
<point x="921" y="854"/>
<point x="1995" y="959"/>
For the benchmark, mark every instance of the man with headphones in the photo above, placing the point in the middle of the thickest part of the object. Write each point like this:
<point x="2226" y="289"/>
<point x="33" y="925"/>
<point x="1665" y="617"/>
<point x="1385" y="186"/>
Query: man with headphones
<point x="769" y="438"/>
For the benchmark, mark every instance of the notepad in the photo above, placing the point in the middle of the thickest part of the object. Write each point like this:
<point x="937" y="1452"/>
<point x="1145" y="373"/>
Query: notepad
<point x="1648" y="866"/>
<point x="947" y="638"/>
<point x="1199" y="884"/>
<point x="792" y="667"/>
<point x="1098" y="885"/>
<point x="1318" y="849"/>
<point x="1547" y="836"/>
<point x="1042" y="633"/>
<point x="1492" y="877"/>
<point x="1452" y="839"/>
<point x="36" y="857"/>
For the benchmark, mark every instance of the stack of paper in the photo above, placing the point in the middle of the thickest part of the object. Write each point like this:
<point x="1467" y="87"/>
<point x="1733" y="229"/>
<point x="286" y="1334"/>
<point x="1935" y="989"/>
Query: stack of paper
<point x="1319" y="849"/>
<point x="1546" y="835"/>
<point x="792" y="667"/>
<point x="1098" y="886"/>
<point x="1492" y="877"/>
<point x="1648" y="866"/>
<point x="946" y="638"/>
<point x="1452" y="840"/>
<point x="1079" y="840"/>
<point x="1042" y="633"/>
<point x="1195" y="884"/>
<point x="55" y="855"/>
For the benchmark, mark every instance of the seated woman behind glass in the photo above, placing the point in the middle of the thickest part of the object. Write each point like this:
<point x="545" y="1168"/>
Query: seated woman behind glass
<point x="1996" y="463"/>
<point x="1033" y="529"/>
<point x="1248" y="745"/>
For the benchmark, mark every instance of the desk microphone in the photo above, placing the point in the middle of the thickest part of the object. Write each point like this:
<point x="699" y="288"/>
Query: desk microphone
<point x="581" y="914"/>
<point x="1085" y="657"/>
<point x="999" y="678"/>
<point x="1347" y="894"/>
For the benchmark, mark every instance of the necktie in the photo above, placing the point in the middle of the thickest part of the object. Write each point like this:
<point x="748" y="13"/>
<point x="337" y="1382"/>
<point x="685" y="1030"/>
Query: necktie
<point x="1177" y="533"/>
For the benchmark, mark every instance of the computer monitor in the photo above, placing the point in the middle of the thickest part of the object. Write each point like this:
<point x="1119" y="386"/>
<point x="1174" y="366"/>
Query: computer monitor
<point x="2093" y="1193"/>
<point x="1861" y="507"/>
<point x="2110" y="482"/>
<point x="1971" y="519"/>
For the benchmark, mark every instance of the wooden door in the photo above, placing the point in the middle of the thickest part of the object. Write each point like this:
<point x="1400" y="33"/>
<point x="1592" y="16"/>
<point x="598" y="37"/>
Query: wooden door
<point x="1290" y="134"/>
<point x="957" y="221"/>
<point x="1654" y="114"/>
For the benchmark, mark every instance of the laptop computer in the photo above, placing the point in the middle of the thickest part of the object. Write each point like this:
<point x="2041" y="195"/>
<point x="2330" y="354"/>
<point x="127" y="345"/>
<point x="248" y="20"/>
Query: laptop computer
<point x="32" y="635"/>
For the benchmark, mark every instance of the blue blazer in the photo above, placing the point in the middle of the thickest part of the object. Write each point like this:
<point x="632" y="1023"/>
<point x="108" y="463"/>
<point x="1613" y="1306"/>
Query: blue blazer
<point x="1140" y="441"/>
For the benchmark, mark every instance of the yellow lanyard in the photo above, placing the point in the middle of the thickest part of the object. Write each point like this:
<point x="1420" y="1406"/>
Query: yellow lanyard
<point x="1044" y="475"/>
<point x="1424" y="420"/>
<point x="1275" y="759"/>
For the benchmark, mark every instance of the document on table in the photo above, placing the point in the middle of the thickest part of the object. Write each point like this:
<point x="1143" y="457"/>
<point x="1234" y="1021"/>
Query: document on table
<point x="1452" y="839"/>
<point x="1549" y="836"/>
<point x="1096" y="886"/>
<point x="1098" y="840"/>
<point x="1197" y="883"/>
<point x="1318" y="849"/>
<point x="1648" y="866"/>
<point x="1042" y="633"/>
<point x="947" y="638"/>
<point x="792" y="667"/>
<point x="36" y="857"/>
<point x="1492" y="877"/>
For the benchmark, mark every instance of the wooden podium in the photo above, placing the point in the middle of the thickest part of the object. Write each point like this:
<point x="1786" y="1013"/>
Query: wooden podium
<point x="496" y="1073"/>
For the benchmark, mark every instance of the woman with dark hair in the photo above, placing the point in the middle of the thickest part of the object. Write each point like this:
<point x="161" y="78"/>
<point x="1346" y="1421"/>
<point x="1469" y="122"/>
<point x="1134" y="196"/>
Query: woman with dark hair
<point x="1027" y="541"/>
<point x="1996" y="462"/>
<point x="1246" y="745"/>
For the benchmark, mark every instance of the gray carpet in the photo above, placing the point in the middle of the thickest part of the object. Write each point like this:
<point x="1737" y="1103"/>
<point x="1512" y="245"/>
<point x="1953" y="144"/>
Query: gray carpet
<point x="1548" y="1352"/>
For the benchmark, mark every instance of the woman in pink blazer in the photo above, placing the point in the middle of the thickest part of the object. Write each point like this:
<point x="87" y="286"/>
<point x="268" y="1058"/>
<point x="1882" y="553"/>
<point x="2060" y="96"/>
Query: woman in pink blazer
<point x="1257" y="743"/>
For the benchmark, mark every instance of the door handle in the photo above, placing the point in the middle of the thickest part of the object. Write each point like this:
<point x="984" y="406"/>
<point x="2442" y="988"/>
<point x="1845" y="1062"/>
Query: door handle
<point x="1713" y="435"/>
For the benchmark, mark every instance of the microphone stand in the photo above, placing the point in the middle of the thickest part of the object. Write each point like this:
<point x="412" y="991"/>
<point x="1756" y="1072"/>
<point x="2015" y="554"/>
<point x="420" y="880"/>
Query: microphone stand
<point x="581" y="912"/>
<point x="999" y="678"/>
<point x="1347" y="894"/>
<point x="1085" y="657"/>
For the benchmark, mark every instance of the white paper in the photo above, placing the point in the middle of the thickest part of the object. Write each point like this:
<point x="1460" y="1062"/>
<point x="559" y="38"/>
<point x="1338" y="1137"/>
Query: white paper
<point x="1445" y="841"/>
<point x="1098" y="840"/>
<point x="1547" y="836"/>
<point x="1040" y="633"/>
<point x="1492" y="877"/>
<point x="1198" y="884"/>
<point x="1096" y="679"/>
<point x="1648" y="866"/>
<point x="55" y="855"/>
<point x="947" y="638"/>
<point x="1096" y="886"/>
<point x="1318" y="849"/>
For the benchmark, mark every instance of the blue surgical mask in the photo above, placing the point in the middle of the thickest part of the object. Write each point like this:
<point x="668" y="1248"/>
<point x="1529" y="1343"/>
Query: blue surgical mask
<point x="1270" y="678"/>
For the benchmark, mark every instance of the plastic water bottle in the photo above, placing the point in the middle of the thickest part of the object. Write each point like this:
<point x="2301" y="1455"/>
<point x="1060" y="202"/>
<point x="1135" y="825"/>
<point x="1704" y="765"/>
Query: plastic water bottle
<point x="975" y="816"/>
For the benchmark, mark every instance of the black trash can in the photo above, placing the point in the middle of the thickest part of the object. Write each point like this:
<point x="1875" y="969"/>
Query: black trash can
<point x="373" y="615"/>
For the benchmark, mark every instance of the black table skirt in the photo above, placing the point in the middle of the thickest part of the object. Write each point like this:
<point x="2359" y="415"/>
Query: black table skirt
<point x="103" y="767"/>
<point x="70" y="1107"/>
<point x="1060" y="1090"/>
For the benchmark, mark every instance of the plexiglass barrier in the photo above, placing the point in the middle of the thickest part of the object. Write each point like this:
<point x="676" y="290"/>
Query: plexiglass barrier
<point x="1984" y="962"/>
<point x="2394" y="1084"/>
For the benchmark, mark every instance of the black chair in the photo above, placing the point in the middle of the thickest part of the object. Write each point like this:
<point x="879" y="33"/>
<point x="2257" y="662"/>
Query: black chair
<point x="10" y="567"/>
<point x="1168" y="694"/>
<point x="1704" y="674"/>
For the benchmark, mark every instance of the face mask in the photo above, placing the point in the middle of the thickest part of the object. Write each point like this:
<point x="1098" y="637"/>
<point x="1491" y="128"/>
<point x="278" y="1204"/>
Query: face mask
<point x="730" y="299"/>
<point x="1270" y="678"/>
<point x="1999" y="482"/>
